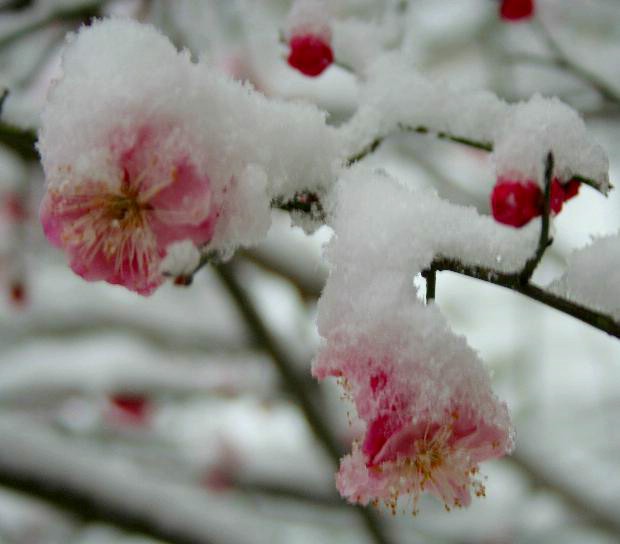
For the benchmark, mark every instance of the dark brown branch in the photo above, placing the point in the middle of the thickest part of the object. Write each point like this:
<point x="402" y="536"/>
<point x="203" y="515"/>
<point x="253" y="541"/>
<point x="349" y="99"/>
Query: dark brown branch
<point x="291" y="382"/>
<point x="78" y="504"/>
<point x="596" y="319"/>
<point x="430" y="275"/>
<point x="520" y="281"/>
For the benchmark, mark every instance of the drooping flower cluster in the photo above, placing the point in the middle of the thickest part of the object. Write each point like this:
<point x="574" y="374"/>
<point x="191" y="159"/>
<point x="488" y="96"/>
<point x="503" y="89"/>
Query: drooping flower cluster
<point x="516" y="203"/>
<point x="430" y="414"/>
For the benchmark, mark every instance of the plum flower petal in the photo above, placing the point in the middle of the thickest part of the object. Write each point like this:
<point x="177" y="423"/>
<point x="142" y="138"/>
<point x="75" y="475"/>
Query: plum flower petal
<point x="118" y="228"/>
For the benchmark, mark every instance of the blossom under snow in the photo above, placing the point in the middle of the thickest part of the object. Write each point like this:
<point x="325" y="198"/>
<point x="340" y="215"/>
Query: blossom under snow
<point x="117" y="226"/>
<point x="431" y="416"/>
<point x="144" y="149"/>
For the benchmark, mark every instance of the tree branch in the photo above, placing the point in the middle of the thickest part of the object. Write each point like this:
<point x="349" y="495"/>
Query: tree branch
<point x="81" y="506"/>
<point x="596" y="319"/>
<point x="291" y="382"/>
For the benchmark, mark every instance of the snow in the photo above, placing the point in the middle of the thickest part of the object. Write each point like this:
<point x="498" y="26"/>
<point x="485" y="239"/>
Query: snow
<point x="384" y="227"/>
<point x="537" y="126"/>
<point x="521" y="133"/>
<point x="182" y="259"/>
<point x="309" y="17"/>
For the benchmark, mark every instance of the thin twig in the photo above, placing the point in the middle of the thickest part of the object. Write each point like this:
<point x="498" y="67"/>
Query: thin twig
<point x="430" y="275"/>
<point x="543" y="241"/>
<point x="442" y="135"/>
<point x="292" y="382"/>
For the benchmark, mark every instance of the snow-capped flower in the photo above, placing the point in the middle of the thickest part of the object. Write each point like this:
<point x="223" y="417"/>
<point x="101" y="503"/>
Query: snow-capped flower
<point x="430" y="419"/>
<point x="117" y="226"/>
<point x="516" y="10"/>
<point x="516" y="203"/>
<point x="309" y="37"/>
<point x="144" y="148"/>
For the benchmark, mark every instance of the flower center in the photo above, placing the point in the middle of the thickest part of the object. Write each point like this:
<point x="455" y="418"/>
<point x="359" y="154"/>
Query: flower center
<point x="433" y="465"/>
<point x="126" y="210"/>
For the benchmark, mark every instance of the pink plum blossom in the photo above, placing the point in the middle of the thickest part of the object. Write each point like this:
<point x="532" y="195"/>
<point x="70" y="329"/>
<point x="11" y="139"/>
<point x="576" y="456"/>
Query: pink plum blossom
<point x="117" y="226"/>
<point x="423" y="434"/>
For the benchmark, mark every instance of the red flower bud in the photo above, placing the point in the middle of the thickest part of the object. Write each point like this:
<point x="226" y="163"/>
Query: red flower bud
<point x="310" y="54"/>
<point x="515" y="203"/>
